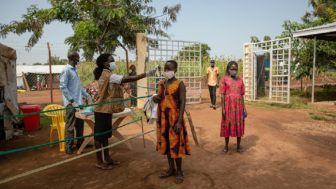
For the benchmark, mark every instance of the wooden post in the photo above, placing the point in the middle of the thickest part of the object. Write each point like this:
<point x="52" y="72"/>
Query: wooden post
<point x="192" y="128"/>
<point x="25" y="80"/>
<point x="50" y="75"/>
<point x="143" y="136"/>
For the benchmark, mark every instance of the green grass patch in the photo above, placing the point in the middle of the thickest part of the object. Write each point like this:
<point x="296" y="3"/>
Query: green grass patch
<point x="311" y="113"/>
<point x="331" y="115"/>
<point x="316" y="117"/>
<point x="295" y="103"/>
<point x="45" y="121"/>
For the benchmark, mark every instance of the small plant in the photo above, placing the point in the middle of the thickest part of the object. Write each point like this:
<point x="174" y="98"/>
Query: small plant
<point x="331" y="115"/>
<point x="311" y="113"/>
<point x="325" y="111"/>
<point x="316" y="117"/>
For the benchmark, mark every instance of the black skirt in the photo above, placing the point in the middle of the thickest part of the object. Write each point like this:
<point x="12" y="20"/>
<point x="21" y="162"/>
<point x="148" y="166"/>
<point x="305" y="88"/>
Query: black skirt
<point x="103" y="123"/>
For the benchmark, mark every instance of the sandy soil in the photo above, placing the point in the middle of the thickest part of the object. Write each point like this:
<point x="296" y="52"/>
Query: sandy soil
<point x="284" y="149"/>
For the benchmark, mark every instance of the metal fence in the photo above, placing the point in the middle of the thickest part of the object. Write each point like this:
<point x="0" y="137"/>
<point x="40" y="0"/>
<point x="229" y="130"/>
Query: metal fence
<point x="273" y="59"/>
<point x="188" y="56"/>
<point x="33" y="72"/>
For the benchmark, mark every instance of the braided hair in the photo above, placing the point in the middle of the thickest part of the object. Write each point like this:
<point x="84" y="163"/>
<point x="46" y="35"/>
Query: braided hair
<point x="100" y="63"/>
<point x="229" y="65"/>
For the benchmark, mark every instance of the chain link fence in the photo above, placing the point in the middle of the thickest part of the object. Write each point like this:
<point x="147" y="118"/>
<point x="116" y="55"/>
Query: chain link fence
<point x="36" y="86"/>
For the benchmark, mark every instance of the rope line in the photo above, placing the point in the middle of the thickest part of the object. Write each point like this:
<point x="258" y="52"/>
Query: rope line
<point x="81" y="106"/>
<point x="70" y="159"/>
<point x="56" y="142"/>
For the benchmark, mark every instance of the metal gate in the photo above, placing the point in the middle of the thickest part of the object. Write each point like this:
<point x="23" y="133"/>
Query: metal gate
<point x="274" y="59"/>
<point x="187" y="54"/>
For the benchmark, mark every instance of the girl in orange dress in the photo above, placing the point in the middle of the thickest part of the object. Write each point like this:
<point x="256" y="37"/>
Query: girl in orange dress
<point x="172" y="135"/>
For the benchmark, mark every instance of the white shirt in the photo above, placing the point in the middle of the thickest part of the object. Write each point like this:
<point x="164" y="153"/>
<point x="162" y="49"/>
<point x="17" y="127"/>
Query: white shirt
<point x="114" y="78"/>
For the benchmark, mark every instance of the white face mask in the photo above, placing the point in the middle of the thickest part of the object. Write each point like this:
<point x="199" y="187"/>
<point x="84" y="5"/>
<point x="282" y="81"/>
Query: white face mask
<point x="78" y="62"/>
<point x="113" y="66"/>
<point x="169" y="74"/>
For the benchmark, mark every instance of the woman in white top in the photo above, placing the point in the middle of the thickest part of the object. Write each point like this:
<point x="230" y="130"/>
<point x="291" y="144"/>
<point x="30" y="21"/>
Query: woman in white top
<point x="109" y="90"/>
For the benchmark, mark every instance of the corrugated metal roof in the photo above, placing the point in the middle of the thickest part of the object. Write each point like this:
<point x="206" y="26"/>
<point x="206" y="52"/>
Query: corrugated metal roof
<point x="318" y="27"/>
<point x="38" y="69"/>
<point x="316" y="31"/>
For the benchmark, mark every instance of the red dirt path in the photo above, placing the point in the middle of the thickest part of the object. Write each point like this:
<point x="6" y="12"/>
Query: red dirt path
<point x="284" y="149"/>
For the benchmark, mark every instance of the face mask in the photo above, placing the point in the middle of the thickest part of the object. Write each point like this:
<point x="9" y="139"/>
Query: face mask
<point x="233" y="72"/>
<point x="169" y="74"/>
<point x="78" y="62"/>
<point x="113" y="66"/>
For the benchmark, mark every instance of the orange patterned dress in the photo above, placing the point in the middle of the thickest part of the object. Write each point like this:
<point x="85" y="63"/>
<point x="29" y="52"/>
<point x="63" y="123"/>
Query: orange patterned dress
<point x="168" y="142"/>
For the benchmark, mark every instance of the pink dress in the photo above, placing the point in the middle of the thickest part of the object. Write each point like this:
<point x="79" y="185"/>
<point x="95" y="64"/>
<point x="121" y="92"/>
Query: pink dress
<point x="233" y="123"/>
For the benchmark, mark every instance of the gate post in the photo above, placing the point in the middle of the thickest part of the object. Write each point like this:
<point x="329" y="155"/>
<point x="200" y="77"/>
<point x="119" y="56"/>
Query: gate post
<point x="141" y="51"/>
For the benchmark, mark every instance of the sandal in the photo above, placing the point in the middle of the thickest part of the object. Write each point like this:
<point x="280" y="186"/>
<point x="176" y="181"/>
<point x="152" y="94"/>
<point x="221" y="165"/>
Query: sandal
<point x="168" y="174"/>
<point x="104" y="167"/>
<point x="179" y="178"/>
<point x="224" y="151"/>
<point x="113" y="162"/>
<point x="240" y="151"/>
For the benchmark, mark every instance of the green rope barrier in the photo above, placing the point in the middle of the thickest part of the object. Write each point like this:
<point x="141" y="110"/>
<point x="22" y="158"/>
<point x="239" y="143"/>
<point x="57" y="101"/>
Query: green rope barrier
<point x="70" y="159"/>
<point x="144" y="87"/>
<point x="133" y="111"/>
<point x="56" y="142"/>
<point x="81" y="106"/>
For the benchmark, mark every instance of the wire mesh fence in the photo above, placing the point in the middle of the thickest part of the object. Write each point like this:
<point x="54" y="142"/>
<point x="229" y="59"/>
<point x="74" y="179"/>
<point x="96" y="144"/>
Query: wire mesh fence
<point x="37" y="86"/>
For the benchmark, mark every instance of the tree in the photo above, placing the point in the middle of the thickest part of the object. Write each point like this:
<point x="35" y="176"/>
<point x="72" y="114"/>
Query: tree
<point x="36" y="64"/>
<point x="56" y="60"/>
<point x="99" y="26"/>
<point x="204" y="51"/>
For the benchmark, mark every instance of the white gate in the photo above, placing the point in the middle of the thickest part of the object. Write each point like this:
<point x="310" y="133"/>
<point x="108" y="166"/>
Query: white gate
<point x="187" y="54"/>
<point x="267" y="70"/>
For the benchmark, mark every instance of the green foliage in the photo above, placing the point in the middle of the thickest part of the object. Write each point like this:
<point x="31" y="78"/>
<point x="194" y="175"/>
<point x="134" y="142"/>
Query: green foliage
<point x="56" y="60"/>
<point x="204" y="51"/>
<point x="316" y="117"/>
<point x="99" y="26"/>
<point x="36" y="64"/>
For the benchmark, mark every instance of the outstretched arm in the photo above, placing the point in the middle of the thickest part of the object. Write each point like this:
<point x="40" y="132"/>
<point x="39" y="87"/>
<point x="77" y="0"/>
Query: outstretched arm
<point x="182" y="99"/>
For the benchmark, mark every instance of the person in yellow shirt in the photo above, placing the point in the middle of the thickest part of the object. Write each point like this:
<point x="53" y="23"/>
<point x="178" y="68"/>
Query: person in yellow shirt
<point x="212" y="81"/>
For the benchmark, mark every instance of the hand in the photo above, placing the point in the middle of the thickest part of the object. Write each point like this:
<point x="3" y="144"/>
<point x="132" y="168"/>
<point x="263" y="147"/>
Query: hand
<point x="245" y="112"/>
<point x="178" y="127"/>
<point x="74" y="104"/>
<point x="156" y="99"/>
<point x="217" y="86"/>
<point x="90" y="99"/>
<point x="223" y="113"/>
<point x="150" y="73"/>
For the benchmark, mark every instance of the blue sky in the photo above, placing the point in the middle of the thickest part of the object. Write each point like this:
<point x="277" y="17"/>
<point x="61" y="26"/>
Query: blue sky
<point x="222" y="24"/>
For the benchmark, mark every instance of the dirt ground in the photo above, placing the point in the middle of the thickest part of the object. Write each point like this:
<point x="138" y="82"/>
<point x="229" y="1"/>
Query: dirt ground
<point x="284" y="149"/>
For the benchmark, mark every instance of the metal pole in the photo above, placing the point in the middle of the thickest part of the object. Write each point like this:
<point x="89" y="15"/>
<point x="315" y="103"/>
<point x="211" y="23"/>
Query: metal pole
<point x="143" y="137"/>
<point x="313" y="85"/>
<point x="50" y="75"/>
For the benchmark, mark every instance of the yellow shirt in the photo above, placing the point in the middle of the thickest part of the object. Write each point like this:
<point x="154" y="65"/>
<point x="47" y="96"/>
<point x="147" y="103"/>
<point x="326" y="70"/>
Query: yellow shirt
<point x="212" y="76"/>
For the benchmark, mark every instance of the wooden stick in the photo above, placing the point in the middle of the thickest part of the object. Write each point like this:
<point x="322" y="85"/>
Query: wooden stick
<point x="25" y="80"/>
<point x="143" y="136"/>
<point x="192" y="127"/>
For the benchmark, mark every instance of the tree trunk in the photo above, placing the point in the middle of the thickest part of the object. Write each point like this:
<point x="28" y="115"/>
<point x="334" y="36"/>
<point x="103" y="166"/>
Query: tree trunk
<point x="305" y="87"/>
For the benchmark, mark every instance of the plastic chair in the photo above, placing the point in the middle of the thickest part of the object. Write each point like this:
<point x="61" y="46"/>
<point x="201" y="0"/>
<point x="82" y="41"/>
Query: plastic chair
<point x="57" y="123"/>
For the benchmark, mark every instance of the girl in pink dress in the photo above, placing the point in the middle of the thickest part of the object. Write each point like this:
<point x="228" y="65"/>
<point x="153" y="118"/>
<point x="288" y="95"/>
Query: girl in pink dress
<point x="233" y="108"/>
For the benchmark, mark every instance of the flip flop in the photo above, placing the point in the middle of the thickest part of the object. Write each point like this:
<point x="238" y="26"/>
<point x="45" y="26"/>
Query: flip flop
<point x="179" y="178"/>
<point x="112" y="163"/>
<point x="240" y="151"/>
<point x="224" y="151"/>
<point x="104" y="167"/>
<point x="167" y="174"/>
